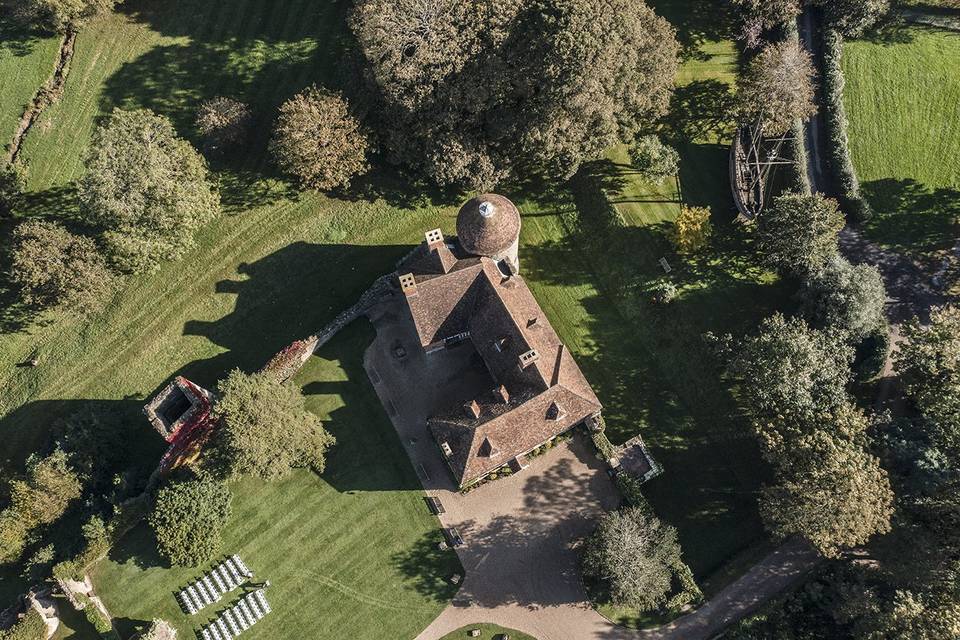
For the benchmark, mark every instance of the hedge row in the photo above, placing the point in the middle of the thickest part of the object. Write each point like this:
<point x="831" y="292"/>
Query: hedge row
<point x="835" y="118"/>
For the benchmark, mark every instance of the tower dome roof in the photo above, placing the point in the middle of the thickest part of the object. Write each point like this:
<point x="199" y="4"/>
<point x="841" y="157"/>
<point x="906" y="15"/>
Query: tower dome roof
<point x="488" y="224"/>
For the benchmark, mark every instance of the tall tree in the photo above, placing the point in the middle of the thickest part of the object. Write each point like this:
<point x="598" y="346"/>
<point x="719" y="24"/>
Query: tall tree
<point x="634" y="553"/>
<point x="224" y="123"/>
<point x="472" y="91"/>
<point x="188" y="518"/>
<point x="928" y="362"/>
<point x="846" y="297"/>
<point x="790" y="377"/>
<point x="57" y="268"/>
<point x="757" y="16"/>
<point x="317" y="139"/>
<point x="829" y="489"/>
<point x="798" y="234"/>
<point x="776" y="88"/>
<point x="265" y="430"/>
<point x="147" y="188"/>
<point x="853" y="17"/>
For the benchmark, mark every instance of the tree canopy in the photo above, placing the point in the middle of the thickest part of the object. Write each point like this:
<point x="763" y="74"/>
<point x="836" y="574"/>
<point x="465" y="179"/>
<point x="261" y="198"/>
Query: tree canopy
<point x="846" y="297"/>
<point x="188" y="517"/>
<point x="265" y="430"/>
<point x="757" y="16"/>
<point x="40" y="498"/>
<point x="224" y="123"/>
<point x="928" y="362"/>
<point x="57" y="15"/>
<point x="634" y="553"/>
<point x="148" y="189"/>
<point x="57" y="268"/>
<point x="318" y="140"/>
<point x="691" y="229"/>
<point x="797" y="234"/>
<point x="776" y="89"/>
<point x="654" y="160"/>
<point x="471" y="91"/>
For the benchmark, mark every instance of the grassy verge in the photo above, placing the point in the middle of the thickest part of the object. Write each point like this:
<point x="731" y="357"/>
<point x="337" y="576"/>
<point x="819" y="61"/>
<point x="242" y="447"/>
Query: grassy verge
<point x="902" y="97"/>
<point x="348" y="554"/>
<point x="487" y="632"/>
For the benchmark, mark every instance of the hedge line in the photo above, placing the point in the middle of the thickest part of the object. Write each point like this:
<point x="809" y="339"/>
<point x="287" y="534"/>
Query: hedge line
<point x="835" y="119"/>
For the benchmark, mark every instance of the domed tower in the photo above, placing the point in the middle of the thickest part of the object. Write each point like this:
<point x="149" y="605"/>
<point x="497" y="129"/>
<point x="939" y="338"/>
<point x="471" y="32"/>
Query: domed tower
<point x="489" y="225"/>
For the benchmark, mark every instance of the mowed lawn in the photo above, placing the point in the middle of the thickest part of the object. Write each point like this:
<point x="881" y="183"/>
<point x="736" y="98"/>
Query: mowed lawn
<point x="487" y="632"/>
<point x="349" y="554"/>
<point x="26" y="61"/>
<point x="903" y="102"/>
<point x="280" y="263"/>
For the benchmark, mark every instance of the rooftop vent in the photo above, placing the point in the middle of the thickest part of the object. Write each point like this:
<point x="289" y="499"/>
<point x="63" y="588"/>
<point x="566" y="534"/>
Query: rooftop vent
<point x="434" y="236"/>
<point x="555" y="412"/>
<point x="501" y="343"/>
<point x="408" y="283"/>
<point x="488" y="449"/>
<point x="447" y="451"/>
<point x="533" y="322"/>
<point x="472" y="409"/>
<point x="529" y="357"/>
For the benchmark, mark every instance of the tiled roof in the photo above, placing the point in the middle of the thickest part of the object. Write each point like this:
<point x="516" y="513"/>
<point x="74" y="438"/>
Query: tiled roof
<point x="504" y="322"/>
<point x="488" y="224"/>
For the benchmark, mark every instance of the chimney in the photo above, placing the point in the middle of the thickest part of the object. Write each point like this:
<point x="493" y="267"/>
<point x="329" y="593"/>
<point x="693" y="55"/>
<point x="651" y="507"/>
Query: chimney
<point x="408" y="284"/>
<point x="501" y="394"/>
<point x="434" y="237"/>
<point x="529" y="357"/>
<point x="472" y="409"/>
<point x="447" y="451"/>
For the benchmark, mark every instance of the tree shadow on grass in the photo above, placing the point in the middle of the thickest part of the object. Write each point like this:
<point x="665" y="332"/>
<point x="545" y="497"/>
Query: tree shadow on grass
<point x="15" y="38"/>
<point x="696" y="22"/>
<point x="911" y="217"/>
<point x="649" y="364"/>
<point x="699" y="110"/>
<point x="139" y="547"/>
<point x="428" y="568"/>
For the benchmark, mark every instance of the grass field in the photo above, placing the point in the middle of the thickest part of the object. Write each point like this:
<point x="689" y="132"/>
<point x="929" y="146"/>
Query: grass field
<point x="350" y="554"/>
<point x="280" y="264"/>
<point x="487" y="632"/>
<point x="25" y="63"/>
<point x="903" y="101"/>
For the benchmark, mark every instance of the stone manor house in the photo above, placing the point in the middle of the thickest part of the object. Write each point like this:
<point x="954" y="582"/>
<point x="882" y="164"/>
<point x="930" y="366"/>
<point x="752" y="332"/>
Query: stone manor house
<point x="469" y="289"/>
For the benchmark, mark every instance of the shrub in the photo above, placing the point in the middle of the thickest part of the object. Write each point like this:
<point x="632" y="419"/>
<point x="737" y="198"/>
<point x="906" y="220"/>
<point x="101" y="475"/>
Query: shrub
<point x="39" y="564"/>
<point x="835" y="121"/>
<point x="188" y="517"/>
<point x="57" y="268"/>
<point x="317" y="140"/>
<point x="265" y="430"/>
<point x="872" y="354"/>
<point x="653" y="159"/>
<point x="663" y="292"/>
<point x="30" y="627"/>
<point x="224" y="123"/>
<point x="854" y="17"/>
<point x="147" y="188"/>
<point x="691" y="230"/>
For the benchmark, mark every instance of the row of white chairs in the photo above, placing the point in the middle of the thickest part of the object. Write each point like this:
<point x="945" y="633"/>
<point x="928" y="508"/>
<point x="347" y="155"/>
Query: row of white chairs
<point x="225" y="577"/>
<point x="232" y="622"/>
